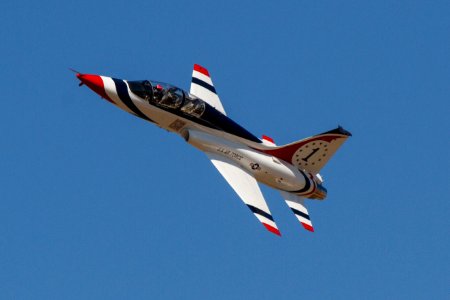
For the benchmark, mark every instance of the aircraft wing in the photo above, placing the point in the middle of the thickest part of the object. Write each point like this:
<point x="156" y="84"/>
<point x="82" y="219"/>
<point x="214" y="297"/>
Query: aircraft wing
<point x="202" y="87"/>
<point x="297" y="205"/>
<point x="247" y="188"/>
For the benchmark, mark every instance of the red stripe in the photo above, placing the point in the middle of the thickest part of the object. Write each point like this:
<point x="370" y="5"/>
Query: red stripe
<point x="307" y="227"/>
<point x="268" y="138"/>
<point x="202" y="70"/>
<point x="95" y="83"/>
<point x="272" y="229"/>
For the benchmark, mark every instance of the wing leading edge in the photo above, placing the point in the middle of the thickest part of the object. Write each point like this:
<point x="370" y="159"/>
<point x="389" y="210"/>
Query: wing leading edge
<point x="247" y="188"/>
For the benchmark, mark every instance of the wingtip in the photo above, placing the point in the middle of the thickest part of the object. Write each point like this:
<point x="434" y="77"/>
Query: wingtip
<point x="201" y="69"/>
<point x="338" y="130"/>
<point x="272" y="229"/>
<point x="307" y="227"/>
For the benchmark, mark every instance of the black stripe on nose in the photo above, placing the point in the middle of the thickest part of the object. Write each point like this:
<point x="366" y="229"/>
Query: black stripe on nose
<point x="122" y="92"/>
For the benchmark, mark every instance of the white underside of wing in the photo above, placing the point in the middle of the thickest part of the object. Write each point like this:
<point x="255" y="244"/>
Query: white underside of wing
<point x="246" y="186"/>
<point x="297" y="205"/>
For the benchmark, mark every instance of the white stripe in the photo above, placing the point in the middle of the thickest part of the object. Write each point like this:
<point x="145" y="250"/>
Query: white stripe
<point x="297" y="203"/>
<point x="138" y="102"/>
<point x="303" y="220"/>
<point x="111" y="91"/>
<point x="267" y="142"/>
<point x="206" y="95"/>
<point x="202" y="77"/>
<point x="301" y="208"/>
<point x="263" y="219"/>
<point x="297" y="206"/>
<point x="206" y="91"/>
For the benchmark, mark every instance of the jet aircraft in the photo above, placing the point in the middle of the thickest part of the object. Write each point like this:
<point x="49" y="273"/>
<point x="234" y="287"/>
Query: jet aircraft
<point x="243" y="159"/>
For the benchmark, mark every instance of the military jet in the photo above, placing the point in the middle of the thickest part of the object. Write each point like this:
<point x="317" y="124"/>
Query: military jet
<point x="243" y="159"/>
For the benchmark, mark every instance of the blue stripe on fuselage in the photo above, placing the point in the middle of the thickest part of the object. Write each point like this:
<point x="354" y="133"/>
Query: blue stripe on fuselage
<point x="307" y="184"/>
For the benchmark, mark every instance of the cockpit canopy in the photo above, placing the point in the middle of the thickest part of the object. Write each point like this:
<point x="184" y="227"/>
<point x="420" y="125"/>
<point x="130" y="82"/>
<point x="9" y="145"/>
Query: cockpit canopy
<point x="168" y="96"/>
<point x="181" y="103"/>
<point x="142" y="89"/>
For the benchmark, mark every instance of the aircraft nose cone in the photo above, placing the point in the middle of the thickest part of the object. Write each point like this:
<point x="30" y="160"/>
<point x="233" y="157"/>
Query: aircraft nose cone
<point x="95" y="83"/>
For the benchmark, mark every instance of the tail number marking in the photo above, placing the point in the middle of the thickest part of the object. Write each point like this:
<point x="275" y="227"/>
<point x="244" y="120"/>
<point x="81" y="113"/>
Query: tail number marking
<point x="231" y="154"/>
<point x="311" y="154"/>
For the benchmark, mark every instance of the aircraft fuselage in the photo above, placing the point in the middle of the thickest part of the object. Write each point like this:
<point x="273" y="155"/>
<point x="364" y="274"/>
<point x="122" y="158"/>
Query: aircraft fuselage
<point x="204" y="127"/>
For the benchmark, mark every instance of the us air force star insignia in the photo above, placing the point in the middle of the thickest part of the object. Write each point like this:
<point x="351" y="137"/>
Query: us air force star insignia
<point x="255" y="166"/>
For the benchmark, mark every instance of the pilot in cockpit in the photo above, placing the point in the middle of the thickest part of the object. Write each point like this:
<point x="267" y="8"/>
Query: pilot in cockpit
<point x="170" y="98"/>
<point x="158" y="92"/>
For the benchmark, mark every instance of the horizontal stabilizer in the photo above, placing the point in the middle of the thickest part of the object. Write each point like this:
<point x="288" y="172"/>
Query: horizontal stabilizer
<point x="297" y="205"/>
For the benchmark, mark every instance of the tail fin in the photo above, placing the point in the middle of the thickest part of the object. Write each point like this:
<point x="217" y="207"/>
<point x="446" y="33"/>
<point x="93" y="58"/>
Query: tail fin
<point x="311" y="154"/>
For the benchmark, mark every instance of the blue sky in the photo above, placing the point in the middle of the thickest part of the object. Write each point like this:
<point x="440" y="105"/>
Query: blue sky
<point x="97" y="204"/>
